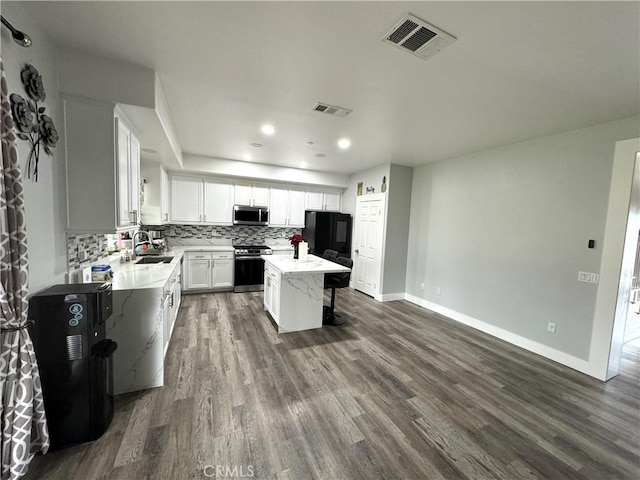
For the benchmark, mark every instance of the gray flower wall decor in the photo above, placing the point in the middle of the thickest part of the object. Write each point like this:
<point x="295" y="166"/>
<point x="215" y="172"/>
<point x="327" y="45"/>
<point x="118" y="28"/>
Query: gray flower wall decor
<point x="33" y="125"/>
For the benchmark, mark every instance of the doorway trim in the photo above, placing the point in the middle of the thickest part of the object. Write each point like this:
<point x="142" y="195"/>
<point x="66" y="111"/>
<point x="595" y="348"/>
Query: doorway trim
<point x="606" y="321"/>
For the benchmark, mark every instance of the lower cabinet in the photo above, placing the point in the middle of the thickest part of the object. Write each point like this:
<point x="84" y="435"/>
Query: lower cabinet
<point x="208" y="271"/>
<point x="171" y="300"/>
<point x="272" y="292"/>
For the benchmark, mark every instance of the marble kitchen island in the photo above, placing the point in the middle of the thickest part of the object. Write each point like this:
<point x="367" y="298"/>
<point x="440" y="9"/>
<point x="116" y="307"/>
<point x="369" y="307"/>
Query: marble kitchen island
<point x="294" y="290"/>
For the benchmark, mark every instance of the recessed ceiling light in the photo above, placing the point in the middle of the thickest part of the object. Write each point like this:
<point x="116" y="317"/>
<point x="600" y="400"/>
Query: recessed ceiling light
<point x="149" y="150"/>
<point x="303" y="164"/>
<point x="247" y="156"/>
<point x="256" y="145"/>
<point x="320" y="155"/>
<point x="344" y="143"/>
<point x="309" y="143"/>
<point x="268" y="129"/>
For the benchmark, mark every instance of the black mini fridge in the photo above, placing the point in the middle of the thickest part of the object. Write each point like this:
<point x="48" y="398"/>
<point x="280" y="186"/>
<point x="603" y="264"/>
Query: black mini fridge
<point x="75" y="360"/>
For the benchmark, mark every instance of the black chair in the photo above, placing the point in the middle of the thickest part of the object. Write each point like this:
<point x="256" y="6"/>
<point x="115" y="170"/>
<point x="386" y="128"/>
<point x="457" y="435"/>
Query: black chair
<point x="333" y="281"/>
<point x="330" y="255"/>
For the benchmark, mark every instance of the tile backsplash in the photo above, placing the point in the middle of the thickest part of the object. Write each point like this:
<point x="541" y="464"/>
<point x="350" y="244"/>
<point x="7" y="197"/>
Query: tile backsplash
<point x="91" y="247"/>
<point x="239" y="234"/>
<point x="88" y="245"/>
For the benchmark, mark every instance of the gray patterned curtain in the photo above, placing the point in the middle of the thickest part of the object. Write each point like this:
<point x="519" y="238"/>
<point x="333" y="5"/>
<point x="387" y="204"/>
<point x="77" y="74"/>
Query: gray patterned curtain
<point x="24" y="426"/>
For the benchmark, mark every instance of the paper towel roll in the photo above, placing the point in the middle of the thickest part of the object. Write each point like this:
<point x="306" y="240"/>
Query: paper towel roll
<point x="303" y="251"/>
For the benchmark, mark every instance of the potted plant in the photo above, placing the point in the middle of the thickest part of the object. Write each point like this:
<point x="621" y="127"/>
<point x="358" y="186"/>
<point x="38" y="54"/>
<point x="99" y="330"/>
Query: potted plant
<point x="295" y="240"/>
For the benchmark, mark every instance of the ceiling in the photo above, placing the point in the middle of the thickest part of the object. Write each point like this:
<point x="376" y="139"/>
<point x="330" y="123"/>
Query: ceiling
<point x="517" y="71"/>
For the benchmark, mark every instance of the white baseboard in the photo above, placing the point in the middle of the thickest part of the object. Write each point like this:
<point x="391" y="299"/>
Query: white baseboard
<point x="390" y="297"/>
<point x="570" y="361"/>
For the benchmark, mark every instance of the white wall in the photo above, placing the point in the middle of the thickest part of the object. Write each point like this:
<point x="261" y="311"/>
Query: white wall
<point x="503" y="233"/>
<point x="44" y="200"/>
<point x="397" y="235"/>
<point x="371" y="177"/>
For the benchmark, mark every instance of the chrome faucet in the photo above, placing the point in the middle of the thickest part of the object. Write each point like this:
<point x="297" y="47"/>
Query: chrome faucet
<point x="133" y="241"/>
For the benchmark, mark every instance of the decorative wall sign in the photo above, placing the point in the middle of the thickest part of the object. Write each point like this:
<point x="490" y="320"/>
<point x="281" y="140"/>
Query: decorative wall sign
<point x="383" y="187"/>
<point x="359" y="188"/>
<point x="32" y="124"/>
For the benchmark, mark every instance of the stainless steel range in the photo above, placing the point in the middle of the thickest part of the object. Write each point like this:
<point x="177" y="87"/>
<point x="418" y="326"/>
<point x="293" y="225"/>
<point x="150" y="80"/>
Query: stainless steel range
<point x="249" y="267"/>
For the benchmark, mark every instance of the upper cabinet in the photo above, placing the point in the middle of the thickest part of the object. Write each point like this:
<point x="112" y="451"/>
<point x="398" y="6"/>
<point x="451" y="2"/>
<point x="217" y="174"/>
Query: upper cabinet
<point x="323" y="200"/>
<point x="286" y="207"/>
<point x="194" y="200"/>
<point x="255" y="195"/>
<point x="102" y="167"/>
<point x="154" y="207"/>
<point x="186" y="200"/>
<point x="218" y="202"/>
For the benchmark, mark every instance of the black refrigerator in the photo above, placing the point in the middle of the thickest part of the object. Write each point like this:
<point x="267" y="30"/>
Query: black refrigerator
<point x="74" y="357"/>
<point x="328" y="230"/>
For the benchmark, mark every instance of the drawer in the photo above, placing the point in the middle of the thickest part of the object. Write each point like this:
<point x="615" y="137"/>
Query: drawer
<point x="199" y="256"/>
<point x="222" y="256"/>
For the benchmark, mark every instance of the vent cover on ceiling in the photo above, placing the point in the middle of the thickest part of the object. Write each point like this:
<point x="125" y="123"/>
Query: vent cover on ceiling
<point x="417" y="37"/>
<point x="331" y="109"/>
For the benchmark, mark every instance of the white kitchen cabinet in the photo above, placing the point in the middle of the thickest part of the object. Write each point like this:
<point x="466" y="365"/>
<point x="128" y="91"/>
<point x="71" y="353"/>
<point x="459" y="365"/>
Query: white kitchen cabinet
<point x="218" y="202"/>
<point x="198" y="271"/>
<point x="332" y="201"/>
<point x="154" y="207"/>
<point x="323" y="200"/>
<point x="209" y="270"/>
<point x="186" y="199"/>
<point x="223" y="271"/>
<point x="286" y="207"/>
<point x="255" y="195"/>
<point x="102" y="167"/>
<point x="272" y="292"/>
<point x="164" y="196"/>
<point x="196" y="200"/>
<point x="170" y="305"/>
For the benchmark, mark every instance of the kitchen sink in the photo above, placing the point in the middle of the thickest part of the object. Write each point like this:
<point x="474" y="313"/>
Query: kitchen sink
<point x="147" y="260"/>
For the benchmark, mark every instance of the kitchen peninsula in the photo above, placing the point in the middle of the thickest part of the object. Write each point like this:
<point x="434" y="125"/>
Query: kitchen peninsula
<point x="293" y="290"/>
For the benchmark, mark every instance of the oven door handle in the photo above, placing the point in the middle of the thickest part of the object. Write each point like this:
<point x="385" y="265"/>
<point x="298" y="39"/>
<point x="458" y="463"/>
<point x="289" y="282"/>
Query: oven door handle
<point x="249" y="258"/>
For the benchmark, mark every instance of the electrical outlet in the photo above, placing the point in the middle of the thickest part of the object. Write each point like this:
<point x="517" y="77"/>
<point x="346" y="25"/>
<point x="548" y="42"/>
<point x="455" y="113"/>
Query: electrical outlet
<point x="588" y="277"/>
<point x="422" y="286"/>
<point x="551" y="327"/>
<point x="438" y="291"/>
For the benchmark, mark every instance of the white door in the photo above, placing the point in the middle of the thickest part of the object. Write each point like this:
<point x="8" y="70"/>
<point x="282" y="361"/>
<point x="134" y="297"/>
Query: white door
<point x="296" y="208"/>
<point x="134" y="179"/>
<point x="242" y="194"/>
<point x="278" y="207"/>
<point x="314" y="200"/>
<point x="164" y="196"/>
<point x="222" y="273"/>
<point x="260" y="196"/>
<point x="186" y="200"/>
<point x="368" y="243"/>
<point x="332" y="201"/>
<point x="123" y="190"/>
<point x="218" y="202"/>
<point x="199" y="273"/>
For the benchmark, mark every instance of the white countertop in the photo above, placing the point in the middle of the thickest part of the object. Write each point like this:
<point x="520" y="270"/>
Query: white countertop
<point x="290" y="266"/>
<point x="130" y="275"/>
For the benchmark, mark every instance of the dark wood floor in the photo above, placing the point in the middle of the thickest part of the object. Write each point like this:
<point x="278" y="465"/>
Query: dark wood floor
<point x="397" y="393"/>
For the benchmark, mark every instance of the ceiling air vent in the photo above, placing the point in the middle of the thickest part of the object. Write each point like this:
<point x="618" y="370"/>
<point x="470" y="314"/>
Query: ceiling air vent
<point x="331" y="109"/>
<point x="417" y="37"/>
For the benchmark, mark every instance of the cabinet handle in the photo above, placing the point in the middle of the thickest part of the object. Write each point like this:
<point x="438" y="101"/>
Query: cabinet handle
<point x="166" y="217"/>
<point x="171" y="300"/>
<point x="134" y="213"/>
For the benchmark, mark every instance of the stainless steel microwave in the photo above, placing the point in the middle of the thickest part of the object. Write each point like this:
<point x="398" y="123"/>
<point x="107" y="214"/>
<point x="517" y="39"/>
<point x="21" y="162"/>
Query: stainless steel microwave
<point x="246" y="215"/>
